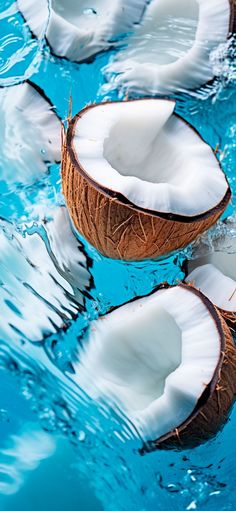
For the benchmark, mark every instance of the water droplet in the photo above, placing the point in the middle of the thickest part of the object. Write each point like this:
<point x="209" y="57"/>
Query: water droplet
<point x="81" y="436"/>
<point x="4" y="415"/>
<point x="89" y="10"/>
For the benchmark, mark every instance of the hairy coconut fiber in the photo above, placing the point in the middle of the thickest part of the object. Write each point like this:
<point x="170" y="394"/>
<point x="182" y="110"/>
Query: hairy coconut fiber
<point x="116" y="227"/>
<point x="232" y="28"/>
<point x="214" y="405"/>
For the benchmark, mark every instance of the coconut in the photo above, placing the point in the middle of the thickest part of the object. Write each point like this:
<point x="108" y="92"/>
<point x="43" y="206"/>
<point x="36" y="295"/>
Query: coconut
<point x="45" y="278"/>
<point x="171" y="49"/>
<point x="212" y="269"/>
<point x="167" y="360"/>
<point x="79" y="30"/>
<point x="138" y="180"/>
<point x="25" y="110"/>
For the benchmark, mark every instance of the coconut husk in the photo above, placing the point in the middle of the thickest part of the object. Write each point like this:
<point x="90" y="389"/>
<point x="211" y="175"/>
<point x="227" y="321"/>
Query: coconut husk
<point x="116" y="227"/>
<point x="213" y="408"/>
<point x="232" y="28"/>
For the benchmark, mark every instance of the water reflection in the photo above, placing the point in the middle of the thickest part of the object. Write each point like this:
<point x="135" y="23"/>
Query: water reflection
<point x="44" y="278"/>
<point x="20" y="53"/>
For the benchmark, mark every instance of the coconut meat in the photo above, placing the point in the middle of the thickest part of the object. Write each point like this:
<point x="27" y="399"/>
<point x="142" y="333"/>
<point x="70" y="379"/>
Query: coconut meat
<point x="23" y="112"/>
<point x="170" y="49"/>
<point x="42" y="287"/>
<point x="78" y="30"/>
<point x="215" y="276"/>
<point x="141" y="150"/>
<point x="153" y="357"/>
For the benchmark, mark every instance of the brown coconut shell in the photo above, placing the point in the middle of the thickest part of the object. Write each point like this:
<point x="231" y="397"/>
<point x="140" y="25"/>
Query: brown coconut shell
<point x="228" y="316"/>
<point x="232" y="26"/>
<point x="214" y="405"/>
<point x="116" y="227"/>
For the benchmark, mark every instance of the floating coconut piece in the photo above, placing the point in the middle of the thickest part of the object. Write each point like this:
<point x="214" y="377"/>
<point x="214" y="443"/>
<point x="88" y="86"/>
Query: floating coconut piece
<point x="30" y="133"/>
<point x="171" y="49"/>
<point x="138" y="180"/>
<point x="213" y="271"/>
<point x="45" y="278"/>
<point x="168" y="361"/>
<point x="79" y="30"/>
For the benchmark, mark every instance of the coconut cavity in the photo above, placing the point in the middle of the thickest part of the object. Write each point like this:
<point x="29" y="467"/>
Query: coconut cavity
<point x="167" y="22"/>
<point x="79" y="30"/>
<point x="171" y="48"/>
<point x="140" y="149"/>
<point x="80" y="14"/>
<point x="154" y="358"/>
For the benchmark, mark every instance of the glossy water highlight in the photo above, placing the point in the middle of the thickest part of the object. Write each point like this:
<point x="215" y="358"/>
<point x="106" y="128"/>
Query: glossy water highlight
<point x="81" y="454"/>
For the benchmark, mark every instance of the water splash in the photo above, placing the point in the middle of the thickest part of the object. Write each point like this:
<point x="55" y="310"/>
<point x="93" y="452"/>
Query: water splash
<point x="20" y="52"/>
<point x="107" y="447"/>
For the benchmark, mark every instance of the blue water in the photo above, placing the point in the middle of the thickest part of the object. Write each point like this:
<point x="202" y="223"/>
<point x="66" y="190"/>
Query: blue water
<point x="58" y="450"/>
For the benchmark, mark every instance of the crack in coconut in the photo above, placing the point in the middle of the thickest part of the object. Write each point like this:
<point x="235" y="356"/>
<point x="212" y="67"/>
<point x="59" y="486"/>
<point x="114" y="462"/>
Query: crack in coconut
<point x="152" y="182"/>
<point x="171" y="49"/>
<point x="26" y="109"/>
<point x="78" y="31"/>
<point x="159" y="359"/>
<point x="214" y="273"/>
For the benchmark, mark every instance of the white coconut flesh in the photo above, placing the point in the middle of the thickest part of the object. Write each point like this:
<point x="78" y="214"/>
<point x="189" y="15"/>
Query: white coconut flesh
<point x="171" y="49"/>
<point x="215" y="276"/>
<point x="25" y="112"/>
<point x="78" y="30"/>
<point x="153" y="158"/>
<point x="153" y="358"/>
<point x="43" y="279"/>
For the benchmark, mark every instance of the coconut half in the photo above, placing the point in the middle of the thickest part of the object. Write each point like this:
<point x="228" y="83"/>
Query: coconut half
<point x="214" y="272"/>
<point x="45" y="278"/>
<point x="79" y="30"/>
<point x="167" y="361"/>
<point x="30" y="133"/>
<point x="138" y="180"/>
<point x="171" y="49"/>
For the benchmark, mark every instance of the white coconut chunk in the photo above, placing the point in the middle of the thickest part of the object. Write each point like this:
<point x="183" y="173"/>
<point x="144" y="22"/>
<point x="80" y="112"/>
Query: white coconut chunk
<point x="143" y="151"/>
<point x="43" y="278"/>
<point x="212" y="268"/>
<point x="30" y="134"/>
<point x="79" y="30"/>
<point x="216" y="279"/>
<point x="171" y="49"/>
<point x="153" y="357"/>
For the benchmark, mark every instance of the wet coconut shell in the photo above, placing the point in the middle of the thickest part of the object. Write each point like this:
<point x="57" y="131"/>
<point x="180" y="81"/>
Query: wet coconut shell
<point x="214" y="405"/>
<point x="232" y="28"/>
<point x="228" y="316"/>
<point x="116" y="227"/>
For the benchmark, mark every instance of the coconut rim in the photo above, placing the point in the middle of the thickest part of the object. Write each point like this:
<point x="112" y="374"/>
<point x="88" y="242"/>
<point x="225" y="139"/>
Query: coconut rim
<point x="232" y="5"/>
<point x="53" y="51"/>
<point x="119" y="197"/>
<point x="91" y="59"/>
<point x="81" y="248"/>
<point x="226" y="313"/>
<point x="44" y="96"/>
<point x="211" y="386"/>
<point x="231" y="32"/>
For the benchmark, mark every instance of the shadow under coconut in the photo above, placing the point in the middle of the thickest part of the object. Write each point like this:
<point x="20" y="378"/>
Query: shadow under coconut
<point x="116" y="282"/>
